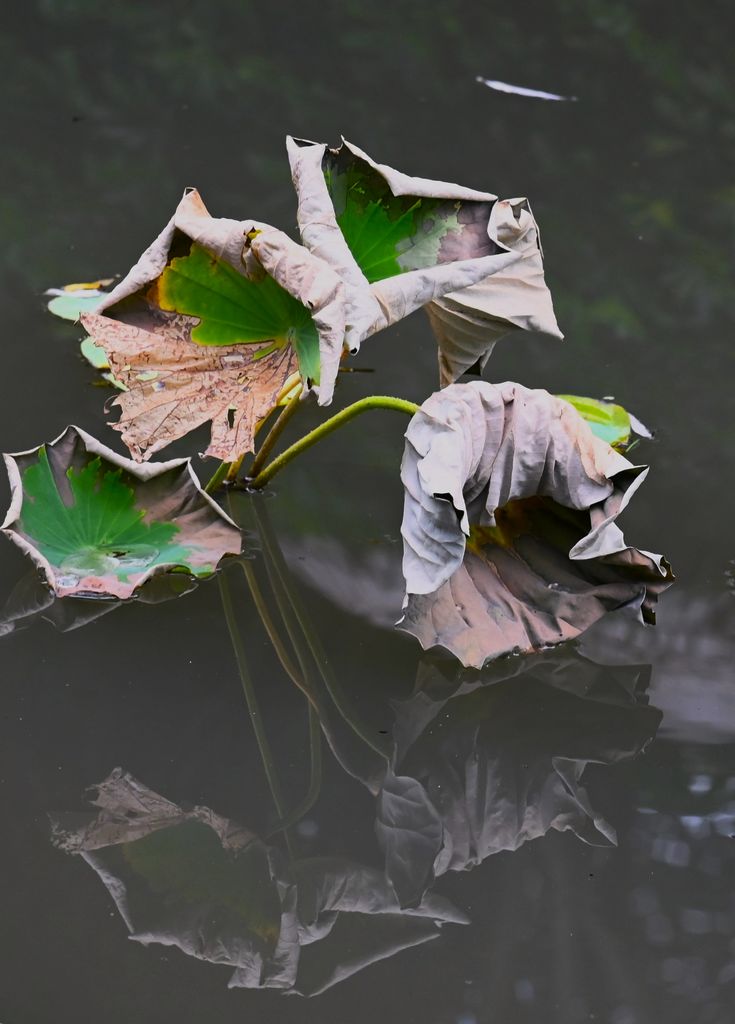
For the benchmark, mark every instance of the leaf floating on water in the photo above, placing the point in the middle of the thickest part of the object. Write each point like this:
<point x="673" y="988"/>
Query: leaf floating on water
<point x="607" y="420"/>
<point x="99" y="526"/>
<point x="520" y="90"/>
<point x="399" y="243"/>
<point x="94" y="354"/>
<point x="71" y="300"/>
<point x="509" y="526"/>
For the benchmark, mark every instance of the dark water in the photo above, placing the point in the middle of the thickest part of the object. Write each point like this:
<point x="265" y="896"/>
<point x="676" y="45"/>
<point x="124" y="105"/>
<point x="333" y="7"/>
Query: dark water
<point x="108" y="113"/>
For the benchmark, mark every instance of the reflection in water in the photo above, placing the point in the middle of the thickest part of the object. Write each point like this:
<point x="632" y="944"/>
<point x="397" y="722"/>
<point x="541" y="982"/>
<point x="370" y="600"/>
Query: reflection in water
<point x="211" y="887"/>
<point x="487" y="761"/>
<point x="32" y="600"/>
<point x="692" y="654"/>
<point x="475" y="764"/>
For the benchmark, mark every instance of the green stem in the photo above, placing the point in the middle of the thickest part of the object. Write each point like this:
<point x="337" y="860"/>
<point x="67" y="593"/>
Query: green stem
<point x="217" y="477"/>
<point x="330" y="425"/>
<point x="274" y="433"/>
<point x="234" y="469"/>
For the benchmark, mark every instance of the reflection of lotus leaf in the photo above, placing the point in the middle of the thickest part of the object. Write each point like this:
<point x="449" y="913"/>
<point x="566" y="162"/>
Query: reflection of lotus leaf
<point x="485" y="763"/>
<point x="210" y="887"/>
<point x="31" y="600"/>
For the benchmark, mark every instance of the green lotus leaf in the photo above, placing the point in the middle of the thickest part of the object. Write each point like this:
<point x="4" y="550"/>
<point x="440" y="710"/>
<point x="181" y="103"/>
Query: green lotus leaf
<point x="71" y="300"/>
<point x="99" y="526"/>
<point x="217" y="283"/>
<point x="391" y="234"/>
<point x="234" y="309"/>
<point x="608" y="421"/>
<point x="94" y="354"/>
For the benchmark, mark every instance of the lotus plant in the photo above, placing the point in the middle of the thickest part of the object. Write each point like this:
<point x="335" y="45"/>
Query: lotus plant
<point x="512" y="496"/>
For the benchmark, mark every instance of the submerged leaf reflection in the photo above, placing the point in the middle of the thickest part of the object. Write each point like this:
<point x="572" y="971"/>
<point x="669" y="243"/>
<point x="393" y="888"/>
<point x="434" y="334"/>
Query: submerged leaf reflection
<point x="211" y="887"/>
<point x="483" y="762"/>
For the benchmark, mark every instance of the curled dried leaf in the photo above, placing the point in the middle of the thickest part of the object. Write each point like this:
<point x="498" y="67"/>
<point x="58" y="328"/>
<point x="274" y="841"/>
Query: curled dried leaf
<point x="509" y="528"/>
<point x="400" y="242"/>
<point x="216" y="284"/>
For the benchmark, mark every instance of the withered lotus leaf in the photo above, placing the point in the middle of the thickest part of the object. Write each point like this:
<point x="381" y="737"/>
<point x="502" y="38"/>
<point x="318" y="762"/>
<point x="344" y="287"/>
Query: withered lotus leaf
<point x="207" y="295"/>
<point x="400" y="242"/>
<point x="509" y="527"/>
<point x="98" y="525"/>
<point x="173" y="385"/>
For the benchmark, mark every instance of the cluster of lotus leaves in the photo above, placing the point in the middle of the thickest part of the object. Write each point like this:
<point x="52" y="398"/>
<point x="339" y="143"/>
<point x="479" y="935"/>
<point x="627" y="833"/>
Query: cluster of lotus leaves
<point x="510" y="535"/>
<point x="218" y="315"/>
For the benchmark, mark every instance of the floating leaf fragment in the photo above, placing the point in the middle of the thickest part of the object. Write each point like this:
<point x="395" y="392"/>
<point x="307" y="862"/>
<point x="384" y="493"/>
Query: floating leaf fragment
<point x="94" y="354"/>
<point x="97" y="525"/>
<point x="509" y="526"/>
<point x="520" y="90"/>
<point x="607" y="420"/>
<point x="71" y="300"/>
<point x="399" y="243"/>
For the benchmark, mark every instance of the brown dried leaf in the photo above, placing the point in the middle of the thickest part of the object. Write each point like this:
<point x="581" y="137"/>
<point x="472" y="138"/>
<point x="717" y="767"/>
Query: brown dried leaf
<point x="175" y="385"/>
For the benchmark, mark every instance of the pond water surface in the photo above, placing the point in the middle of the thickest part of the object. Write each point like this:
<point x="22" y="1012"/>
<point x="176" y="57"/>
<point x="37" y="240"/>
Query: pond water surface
<point x="550" y="840"/>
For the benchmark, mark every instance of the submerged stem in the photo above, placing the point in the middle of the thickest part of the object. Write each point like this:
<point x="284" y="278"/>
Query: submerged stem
<point x="333" y="423"/>
<point x="282" y="581"/>
<point x="256" y="718"/>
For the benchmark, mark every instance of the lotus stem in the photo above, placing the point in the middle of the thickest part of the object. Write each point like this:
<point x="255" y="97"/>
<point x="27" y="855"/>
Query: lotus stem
<point x="327" y="427"/>
<point x="274" y="433"/>
<point x="218" y="477"/>
<point x="234" y="469"/>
